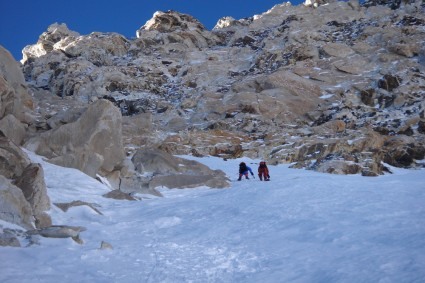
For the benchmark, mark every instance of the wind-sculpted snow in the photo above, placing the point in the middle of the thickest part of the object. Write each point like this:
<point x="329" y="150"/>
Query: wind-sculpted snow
<point x="301" y="226"/>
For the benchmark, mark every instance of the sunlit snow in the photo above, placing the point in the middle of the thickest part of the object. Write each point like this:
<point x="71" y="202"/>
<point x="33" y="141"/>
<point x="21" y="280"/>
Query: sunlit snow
<point x="301" y="226"/>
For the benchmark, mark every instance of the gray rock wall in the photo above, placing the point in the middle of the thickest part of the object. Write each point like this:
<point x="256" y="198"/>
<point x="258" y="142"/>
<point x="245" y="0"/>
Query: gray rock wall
<point x="259" y="87"/>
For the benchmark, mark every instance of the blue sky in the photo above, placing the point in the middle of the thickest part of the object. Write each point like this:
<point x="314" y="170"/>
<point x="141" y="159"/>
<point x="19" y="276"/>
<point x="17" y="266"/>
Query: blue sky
<point x="22" y="22"/>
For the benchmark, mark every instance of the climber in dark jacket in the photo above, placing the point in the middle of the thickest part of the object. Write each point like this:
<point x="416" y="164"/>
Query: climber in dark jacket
<point x="243" y="170"/>
<point x="263" y="171"/>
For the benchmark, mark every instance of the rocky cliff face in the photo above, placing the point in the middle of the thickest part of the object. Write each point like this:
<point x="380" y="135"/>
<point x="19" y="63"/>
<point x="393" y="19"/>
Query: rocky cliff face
<point x="23" y="193"/>
<point x="332" y="86"/>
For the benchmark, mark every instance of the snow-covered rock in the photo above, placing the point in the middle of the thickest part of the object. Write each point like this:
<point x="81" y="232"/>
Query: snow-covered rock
<point x="259" y="87"/>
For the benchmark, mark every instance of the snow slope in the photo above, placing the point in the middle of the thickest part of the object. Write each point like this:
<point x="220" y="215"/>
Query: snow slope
<point x="300" y="227"/>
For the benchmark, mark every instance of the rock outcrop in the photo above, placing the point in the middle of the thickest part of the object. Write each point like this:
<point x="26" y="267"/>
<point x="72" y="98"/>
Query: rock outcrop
<point x="92" y="143"/>
<point x="172" y="172"/>
<point x="28" y="206"/>
<point x="14" y="207"/>
<point x="15" y="100"/>
<point x="327" y="85"/>
<point x="32" y="184"/>
<point x="23" y="193"/>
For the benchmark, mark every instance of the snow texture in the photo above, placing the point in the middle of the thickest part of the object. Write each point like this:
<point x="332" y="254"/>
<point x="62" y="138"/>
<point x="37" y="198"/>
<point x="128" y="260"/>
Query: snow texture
<point x="302" y="226"/>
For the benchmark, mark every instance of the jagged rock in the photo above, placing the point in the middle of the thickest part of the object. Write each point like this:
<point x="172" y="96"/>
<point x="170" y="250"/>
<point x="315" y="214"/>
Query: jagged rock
<point x="228" y="22"/>
<point x="91" y="144"/>
<point x="47" y="41"/>
<point x="185" y="29"/>
<point x="29" y="178"/>
<point x="171" y="21"/>
<point x="368" y="97"/>
<point x="14" y="207"/>
<point x="32" y="184"/>
<point x="13" y="159"/>
<point x="64" y="117"/>
<point x="402" y="151"/>
<point x="249" y="87"/>
<point x="14" y="97"/>
<point x="95" y="48"/>
<point x="389" y="82"/>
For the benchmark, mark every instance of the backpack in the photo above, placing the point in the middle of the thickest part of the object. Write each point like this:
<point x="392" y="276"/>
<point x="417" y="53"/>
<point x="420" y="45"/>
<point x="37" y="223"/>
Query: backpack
<point x="263" y="164"/>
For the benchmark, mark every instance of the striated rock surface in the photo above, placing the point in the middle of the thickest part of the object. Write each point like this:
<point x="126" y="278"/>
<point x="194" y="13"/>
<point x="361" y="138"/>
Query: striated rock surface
<point x="331" y="86"/>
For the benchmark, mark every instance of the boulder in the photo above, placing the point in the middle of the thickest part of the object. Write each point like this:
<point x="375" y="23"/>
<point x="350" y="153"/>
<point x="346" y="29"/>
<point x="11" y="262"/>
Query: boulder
<point x="92" y="144"/>
<point x="155" y="161"/>
<point x="32" y="184"/>
<point x="14" y="207"/>
<point x="175" y="172"/>
<point x="28" y="177"/>
<point x="13" y="129"/>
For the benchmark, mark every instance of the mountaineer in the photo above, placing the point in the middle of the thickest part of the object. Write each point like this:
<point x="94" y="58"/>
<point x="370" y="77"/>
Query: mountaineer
<point x="263" y="171"/>
<point x="243" y="170"/>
